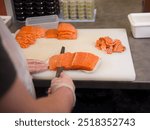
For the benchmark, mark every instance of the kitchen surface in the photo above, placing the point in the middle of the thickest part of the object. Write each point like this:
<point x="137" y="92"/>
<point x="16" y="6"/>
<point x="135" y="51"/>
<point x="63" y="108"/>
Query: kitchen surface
<point x="114" y="14"/>
<point x="119" y="95"/>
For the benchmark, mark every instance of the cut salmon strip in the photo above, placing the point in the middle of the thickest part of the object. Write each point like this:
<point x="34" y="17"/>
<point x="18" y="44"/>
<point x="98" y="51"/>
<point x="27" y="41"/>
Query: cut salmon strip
<point x="78" y="59"/>
<point x="109" y="45"/>
<point x="53" y="62"/>
<point x="66" y="31"/>
<point x="84" y="61"/>
<point x="51" y="33"/>
<point x="62" y="60"/>
<point x="67" y="59"/>
<point x="66" y="27"/>
<point x="67" y="36"/>
<point x="91" y="61"/>
<point x="74" y="61"/>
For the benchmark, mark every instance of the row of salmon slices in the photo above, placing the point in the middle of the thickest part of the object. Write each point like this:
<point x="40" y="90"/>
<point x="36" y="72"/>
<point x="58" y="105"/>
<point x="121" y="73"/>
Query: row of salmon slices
<point x="64" y="31"/>
<point x="27" y="35"/>
<point x="109" y="45"/>
<point x="74" y="61"/>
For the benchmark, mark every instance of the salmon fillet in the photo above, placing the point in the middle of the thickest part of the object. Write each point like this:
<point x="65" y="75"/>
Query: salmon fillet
<point x="74" y="61"/>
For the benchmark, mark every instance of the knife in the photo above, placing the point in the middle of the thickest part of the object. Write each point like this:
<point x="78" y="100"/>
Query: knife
<point x="60" y="69"/>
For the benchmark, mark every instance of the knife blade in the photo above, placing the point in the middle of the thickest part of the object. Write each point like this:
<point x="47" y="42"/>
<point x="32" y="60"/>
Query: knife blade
<point x="60" y="69"/>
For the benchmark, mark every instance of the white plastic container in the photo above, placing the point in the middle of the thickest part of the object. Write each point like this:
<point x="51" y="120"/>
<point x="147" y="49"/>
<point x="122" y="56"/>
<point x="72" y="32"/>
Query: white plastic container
<point x="140" y="24"/>
<point x="49" y="22"/>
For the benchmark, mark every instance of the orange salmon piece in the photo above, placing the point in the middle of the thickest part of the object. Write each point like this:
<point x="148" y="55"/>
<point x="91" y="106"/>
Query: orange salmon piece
<point x="66" y="31"/>
<point x="77" y="62"/>
<point x="66" y="60"/>
<point x="53" y="62"/>
<point x="62" y="60"/>
<point x="90" y="61"/>
<point x="84" y="61"/>
<point x="51" y="33"/>
<point x="109" y="45"/>
<point x="66" y="27"/>
<point x="118" y="46"/>
<point x="27" y="35"/>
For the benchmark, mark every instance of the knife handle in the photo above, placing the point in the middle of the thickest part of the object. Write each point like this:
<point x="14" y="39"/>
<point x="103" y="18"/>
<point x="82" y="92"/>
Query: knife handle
<point x="62" y="50"/>
<point x="59" y="70"/>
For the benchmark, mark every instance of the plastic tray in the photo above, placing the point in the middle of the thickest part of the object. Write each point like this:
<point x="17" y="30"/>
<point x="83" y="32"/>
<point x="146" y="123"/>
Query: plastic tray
<point x="140" y="24"/>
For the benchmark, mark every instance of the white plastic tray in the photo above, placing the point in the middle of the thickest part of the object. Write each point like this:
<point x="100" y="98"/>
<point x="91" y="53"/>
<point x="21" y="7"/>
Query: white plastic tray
<point x="140" y="24"/>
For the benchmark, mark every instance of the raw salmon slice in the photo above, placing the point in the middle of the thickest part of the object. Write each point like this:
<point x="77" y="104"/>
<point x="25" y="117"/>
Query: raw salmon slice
<point x="74" y="36"/>
<point x="66" y="27"/>
<point x="90" y="61"/>
<point x="84" y="61"/>
<point x="62" y="60"/>
<point x="51" y="33"/>
<point x="66" y="31"/>
<point x="78" y="60"/>
<point x="53" y="62"/>
<point x="66" y="60"/>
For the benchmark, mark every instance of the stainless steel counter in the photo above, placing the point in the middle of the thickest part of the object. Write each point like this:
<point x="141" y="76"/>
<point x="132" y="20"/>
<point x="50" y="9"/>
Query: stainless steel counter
<point x="113" y="14"/>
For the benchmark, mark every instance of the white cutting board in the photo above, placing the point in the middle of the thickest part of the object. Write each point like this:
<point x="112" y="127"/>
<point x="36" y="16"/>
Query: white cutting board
<point x="114" y="67"/>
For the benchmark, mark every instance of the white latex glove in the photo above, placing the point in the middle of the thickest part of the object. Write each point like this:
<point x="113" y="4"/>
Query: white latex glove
<point x="63" y="81"/>
<point x="36" y="66"/>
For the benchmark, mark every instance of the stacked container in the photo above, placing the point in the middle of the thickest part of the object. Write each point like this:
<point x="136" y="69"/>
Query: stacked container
<point x="89" y="9"/>
<point x="77" y="9"/>
<point x="81" y="9"/>
<point x="73" y="9"/>
<point x="64" y="9"/>
<point x="19" y="10"/>
<point x="31" y="8"/>
<point x="39" y="7"/>
<point x="52" y="7"/>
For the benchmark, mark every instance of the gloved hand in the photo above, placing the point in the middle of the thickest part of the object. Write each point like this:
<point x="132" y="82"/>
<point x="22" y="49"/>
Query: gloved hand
<point x="63" y="81"/>
<point x="36" y="66"/>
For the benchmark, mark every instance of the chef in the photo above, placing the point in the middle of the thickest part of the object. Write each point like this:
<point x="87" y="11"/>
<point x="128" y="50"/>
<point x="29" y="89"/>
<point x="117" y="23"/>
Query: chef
<point x="17" y="92"/>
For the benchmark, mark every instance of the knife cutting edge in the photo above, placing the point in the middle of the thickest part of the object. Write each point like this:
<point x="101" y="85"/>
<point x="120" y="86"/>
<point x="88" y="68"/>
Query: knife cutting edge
<point x="60" y="69"/>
